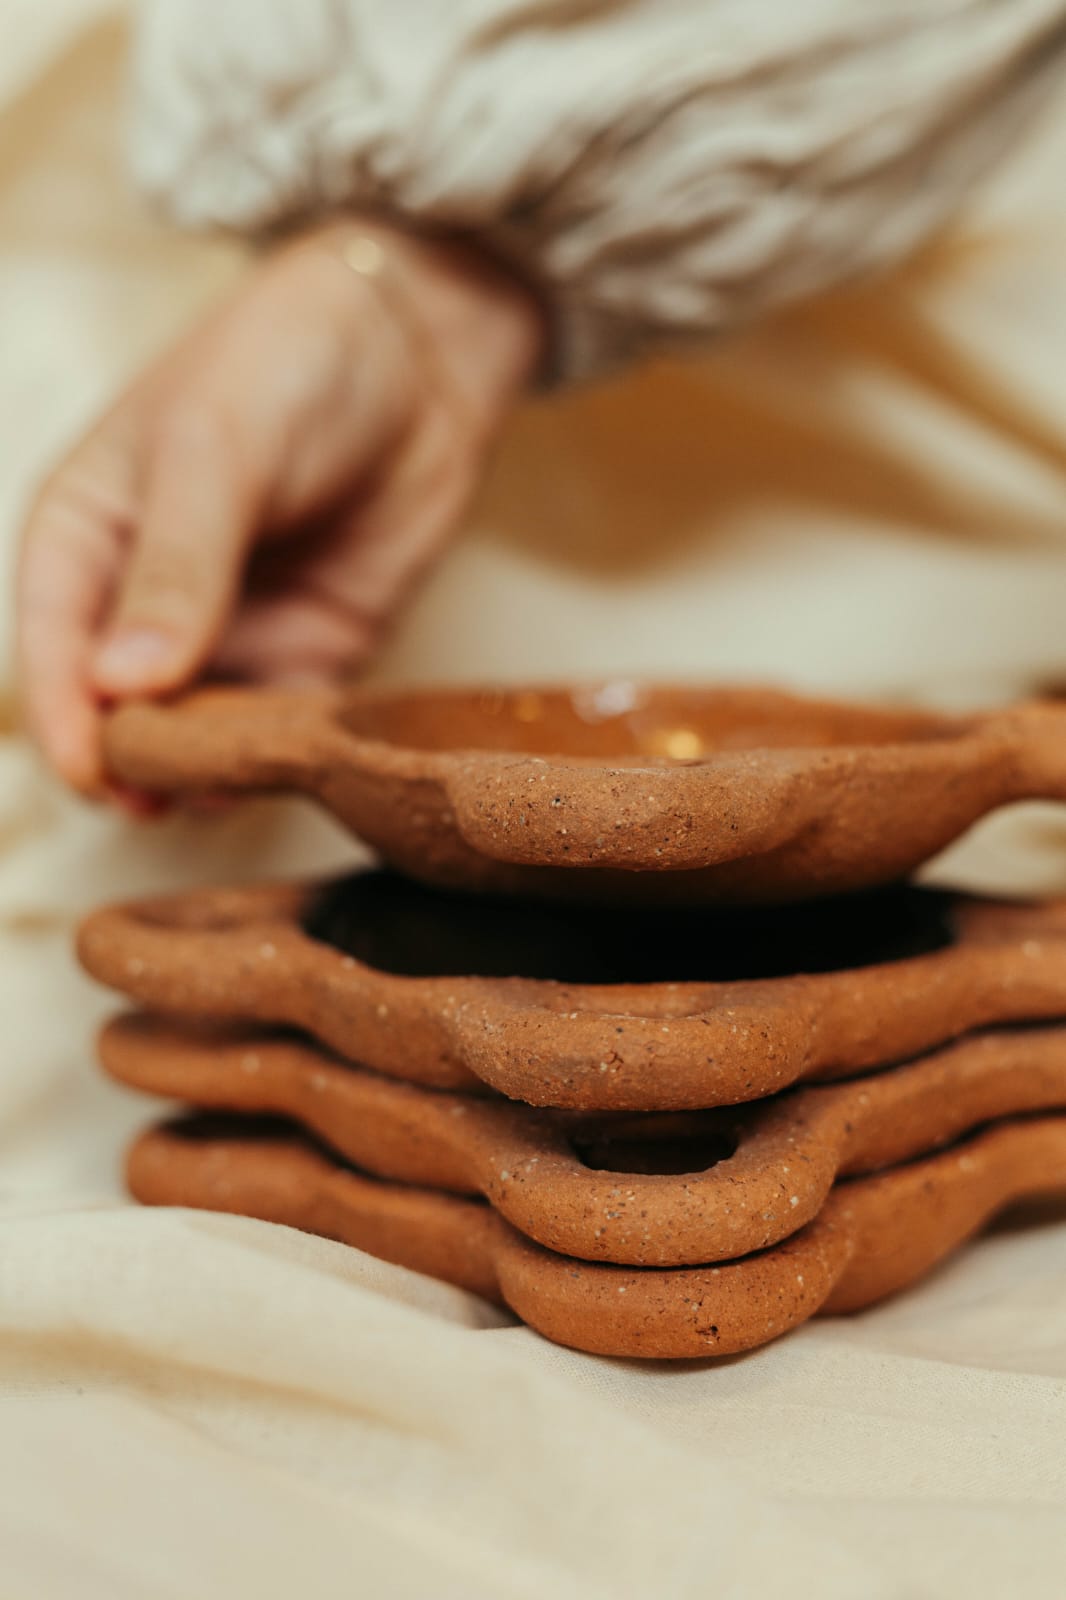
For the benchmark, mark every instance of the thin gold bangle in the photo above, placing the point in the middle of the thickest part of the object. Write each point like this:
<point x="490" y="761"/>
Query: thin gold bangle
<point x="372" y="261"/>
<point x="364" y="255"/>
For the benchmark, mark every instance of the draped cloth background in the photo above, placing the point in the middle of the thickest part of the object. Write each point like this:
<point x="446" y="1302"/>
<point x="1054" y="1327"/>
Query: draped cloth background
<point x="868" y="497"/>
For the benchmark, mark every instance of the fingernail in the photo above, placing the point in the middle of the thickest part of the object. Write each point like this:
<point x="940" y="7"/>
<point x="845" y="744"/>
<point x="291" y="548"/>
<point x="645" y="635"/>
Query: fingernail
<point x="128" y="658"/>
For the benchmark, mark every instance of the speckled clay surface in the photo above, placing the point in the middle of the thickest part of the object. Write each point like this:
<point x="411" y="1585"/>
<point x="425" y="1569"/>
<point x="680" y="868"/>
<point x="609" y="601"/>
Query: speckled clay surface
<point x="243" y="955"/>
<point x="873" y="1237"/>
<point x="614" y="789"/>
<point x="643" y="1190"/>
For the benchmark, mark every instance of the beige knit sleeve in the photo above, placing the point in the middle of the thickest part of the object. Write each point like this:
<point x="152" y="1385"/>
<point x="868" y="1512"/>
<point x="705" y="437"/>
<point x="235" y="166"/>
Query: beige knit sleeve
<point x="666" y="169"/>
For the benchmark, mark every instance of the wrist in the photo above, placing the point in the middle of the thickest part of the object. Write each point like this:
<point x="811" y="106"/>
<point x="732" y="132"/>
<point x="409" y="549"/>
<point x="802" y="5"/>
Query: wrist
<point x="474" y="321"/>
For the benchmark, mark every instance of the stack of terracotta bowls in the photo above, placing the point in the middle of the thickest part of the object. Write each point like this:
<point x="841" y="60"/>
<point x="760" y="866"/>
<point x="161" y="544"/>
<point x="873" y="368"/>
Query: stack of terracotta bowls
<point x="641" y="1031"/>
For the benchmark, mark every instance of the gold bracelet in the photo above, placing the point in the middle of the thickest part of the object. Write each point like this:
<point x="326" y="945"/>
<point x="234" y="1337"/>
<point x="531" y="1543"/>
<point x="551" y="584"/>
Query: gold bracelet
<point x="385" y="276"/>
<point x="364" y="255"/>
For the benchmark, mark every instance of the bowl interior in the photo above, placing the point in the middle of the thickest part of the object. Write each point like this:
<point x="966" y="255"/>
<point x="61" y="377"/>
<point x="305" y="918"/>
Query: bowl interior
<point x="627" y="720"/>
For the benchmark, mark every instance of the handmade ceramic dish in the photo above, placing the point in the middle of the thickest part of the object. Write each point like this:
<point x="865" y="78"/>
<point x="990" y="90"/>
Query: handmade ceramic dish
<point x="614" y="789"/>
<point x="872" y="1237"/>
<point x="412" y="983"/>
<point x="648" y="1190"/>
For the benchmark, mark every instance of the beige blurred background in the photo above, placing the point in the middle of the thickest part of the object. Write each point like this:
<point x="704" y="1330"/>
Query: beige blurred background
<point x="868" y="497"/>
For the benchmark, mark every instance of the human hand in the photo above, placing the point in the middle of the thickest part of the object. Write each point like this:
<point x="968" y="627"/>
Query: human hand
<point x="261" y="501"/>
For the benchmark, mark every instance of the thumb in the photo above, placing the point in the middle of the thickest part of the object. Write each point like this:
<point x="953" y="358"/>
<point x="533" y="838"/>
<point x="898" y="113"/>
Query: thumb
<point x="186" y="561"/>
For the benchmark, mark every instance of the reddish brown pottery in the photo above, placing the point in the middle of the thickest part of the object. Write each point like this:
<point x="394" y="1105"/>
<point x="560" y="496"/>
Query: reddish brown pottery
<point x="649" y="1190"/>
<point x="873" y="1236"/>
<point x="611" y="790"/>
<point x="243" y="956"/>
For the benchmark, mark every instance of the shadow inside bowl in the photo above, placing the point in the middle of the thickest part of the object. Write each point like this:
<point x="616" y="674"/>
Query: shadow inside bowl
<point x="395" y="925"/>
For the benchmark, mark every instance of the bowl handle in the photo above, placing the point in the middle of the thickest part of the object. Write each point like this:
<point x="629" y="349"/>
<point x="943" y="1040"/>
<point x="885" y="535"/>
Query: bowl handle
<point x="1035" y="731"/>
<point x="223" y="739"/>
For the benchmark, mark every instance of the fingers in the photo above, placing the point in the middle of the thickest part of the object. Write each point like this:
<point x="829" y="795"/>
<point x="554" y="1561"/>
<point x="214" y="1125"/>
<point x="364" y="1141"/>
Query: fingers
<point x="131" y="561"/>
<point x="325" y="615"/>
<point x="389" y="541"/>
<point x="294" y="641"/>
<point x="69" y="566"/>
<point x="185" y="566"/>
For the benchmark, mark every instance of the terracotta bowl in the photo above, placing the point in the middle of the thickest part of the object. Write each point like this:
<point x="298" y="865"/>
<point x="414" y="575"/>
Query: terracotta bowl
<point x="653" y="1190"/>
<point x="873" y="1236"/>
<point x="416" y="985"/>
<point x="614" y="790"/>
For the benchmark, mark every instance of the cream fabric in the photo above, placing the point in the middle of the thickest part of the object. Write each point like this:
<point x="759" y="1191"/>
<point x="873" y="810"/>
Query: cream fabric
<point x="666" y="168"/>
<point x="866" y="497"/>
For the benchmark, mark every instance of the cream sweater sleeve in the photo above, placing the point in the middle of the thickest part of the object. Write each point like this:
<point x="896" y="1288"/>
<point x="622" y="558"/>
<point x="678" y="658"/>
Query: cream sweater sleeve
<point x="666" y="169"/>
